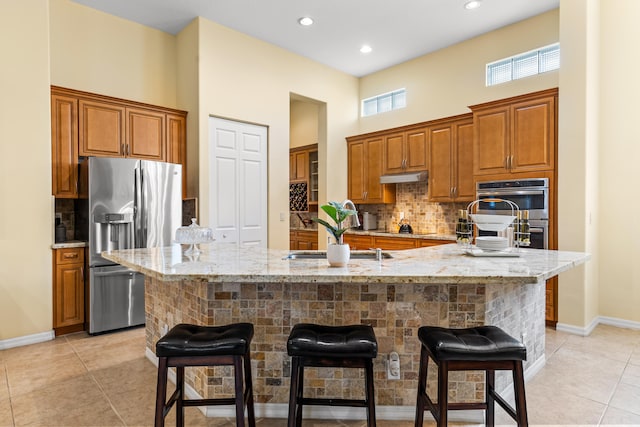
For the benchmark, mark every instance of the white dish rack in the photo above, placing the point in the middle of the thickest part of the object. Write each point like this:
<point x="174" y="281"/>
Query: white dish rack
<point x="512" y="234"/>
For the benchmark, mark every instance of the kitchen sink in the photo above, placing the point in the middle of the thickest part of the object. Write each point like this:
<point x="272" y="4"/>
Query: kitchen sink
<point x="323" y="254"/>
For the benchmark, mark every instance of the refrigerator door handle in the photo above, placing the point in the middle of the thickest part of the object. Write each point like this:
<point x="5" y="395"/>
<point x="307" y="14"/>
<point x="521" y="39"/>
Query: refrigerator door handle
<point x="138" y="211"/>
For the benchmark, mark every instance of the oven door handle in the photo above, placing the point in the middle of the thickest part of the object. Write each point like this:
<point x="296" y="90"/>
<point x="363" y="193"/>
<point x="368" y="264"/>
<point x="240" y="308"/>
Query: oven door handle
<point x="536" y="230"/>
<point x="511" y="192"/>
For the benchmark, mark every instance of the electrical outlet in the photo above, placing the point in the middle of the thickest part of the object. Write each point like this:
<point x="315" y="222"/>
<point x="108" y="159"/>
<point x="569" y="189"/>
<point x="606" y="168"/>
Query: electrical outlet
<point x="165" y="329"/>
<point x="401" y="215"/>
<point x="393" y="366"/>
<point x="282" y="217"/>
<point x="523" y="337"/>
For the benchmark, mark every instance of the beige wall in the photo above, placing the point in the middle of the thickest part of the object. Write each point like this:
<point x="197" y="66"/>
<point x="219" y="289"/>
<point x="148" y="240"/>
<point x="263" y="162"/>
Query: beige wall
<point x="26" y="216"/>
<point x="101" y="53"/>
<point x="445" y="82"/>
<point x="242" y="78"/>
<point x="303" y="123"/>
<point x="577" y="158"/>
<point x="619" y="151"/>
<point x="188" y="98"/>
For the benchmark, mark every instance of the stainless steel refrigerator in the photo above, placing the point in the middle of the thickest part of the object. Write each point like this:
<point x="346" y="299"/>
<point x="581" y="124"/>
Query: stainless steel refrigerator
<point x="123" y="204"/>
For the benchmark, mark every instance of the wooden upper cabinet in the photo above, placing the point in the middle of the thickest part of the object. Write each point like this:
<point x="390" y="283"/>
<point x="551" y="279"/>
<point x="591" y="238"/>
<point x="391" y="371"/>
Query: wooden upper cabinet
<point x="416" y="149"/>
<point x="451" y="161"/>
<point x="376" y="192"/>
<point x="85" y="124"/>
<point x="394" y="155"/>
<point x="442" y="157"/>
<point x="145" y="134"/>
<point x="356" y="171"/>
<point x="113" y="130"/>
<point x="465" y="188"/>
<point x="515" y="135"/>
<point x="298" y="165"/>
<point x="101" y="129"/>
<point x="405" y="152"/>
<point x="64" y="146"/>
<point x="533" y="135"/>
<point x="176" y="134"/>
<point x="491" y="148"/>
<point x="364" y="171"/>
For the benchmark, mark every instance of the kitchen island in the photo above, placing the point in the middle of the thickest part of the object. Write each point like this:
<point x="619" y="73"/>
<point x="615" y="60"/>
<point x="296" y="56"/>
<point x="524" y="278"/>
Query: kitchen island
<point x="428" y="286"/>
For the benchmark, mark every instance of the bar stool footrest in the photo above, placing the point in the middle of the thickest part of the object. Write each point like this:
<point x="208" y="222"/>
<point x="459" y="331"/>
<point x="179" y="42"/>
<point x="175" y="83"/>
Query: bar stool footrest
<point x="333" y="402"/>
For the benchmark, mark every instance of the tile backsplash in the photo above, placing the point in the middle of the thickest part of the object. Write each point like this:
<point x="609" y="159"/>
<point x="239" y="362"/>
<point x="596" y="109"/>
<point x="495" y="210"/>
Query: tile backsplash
<point x="411" y="198"/>
<point x="66" y="208"/>
<point x="425" y="217"/>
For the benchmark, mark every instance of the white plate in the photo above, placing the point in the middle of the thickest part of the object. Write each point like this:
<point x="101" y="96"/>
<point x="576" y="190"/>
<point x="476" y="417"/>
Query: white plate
<point x="480" y="253"/>
<point x="494" y="243"/>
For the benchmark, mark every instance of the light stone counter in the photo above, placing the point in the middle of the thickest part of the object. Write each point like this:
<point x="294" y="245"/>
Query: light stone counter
<point x="223" y="262"/>
<point x="429" y="286"/>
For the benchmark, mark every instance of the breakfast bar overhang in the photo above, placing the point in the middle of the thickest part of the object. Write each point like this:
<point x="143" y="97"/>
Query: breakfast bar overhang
<point x="438" y="285"/>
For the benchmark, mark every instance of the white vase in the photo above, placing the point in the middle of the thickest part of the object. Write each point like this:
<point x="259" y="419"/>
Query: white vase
<point x="338" y="255"/>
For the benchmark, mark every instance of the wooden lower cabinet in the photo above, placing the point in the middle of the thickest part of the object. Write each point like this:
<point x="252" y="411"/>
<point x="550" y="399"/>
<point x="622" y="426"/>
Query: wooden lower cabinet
<point x="365" y="242"/>
<point x="395" y="243"/>
<point x="303" y="240"/>
<point x="551" y="306"/>
<point x="359" y="242"/>
<point x="68" y="290"/>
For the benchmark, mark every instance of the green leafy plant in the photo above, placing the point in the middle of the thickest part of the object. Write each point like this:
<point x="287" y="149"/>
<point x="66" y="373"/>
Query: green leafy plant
<point x="338" y="214"/>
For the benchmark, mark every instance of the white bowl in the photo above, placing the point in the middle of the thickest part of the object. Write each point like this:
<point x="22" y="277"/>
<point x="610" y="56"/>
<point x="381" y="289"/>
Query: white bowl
<point x="492" y="222"/>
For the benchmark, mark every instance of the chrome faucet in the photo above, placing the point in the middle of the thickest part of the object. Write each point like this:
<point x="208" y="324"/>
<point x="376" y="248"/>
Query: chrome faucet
<point x="353" y="219"/>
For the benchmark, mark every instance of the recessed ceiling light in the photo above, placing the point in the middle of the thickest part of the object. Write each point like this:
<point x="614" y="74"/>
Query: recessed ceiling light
<point x="473" y="4"/>
<point x="305" y="21"/>
<point x="365" y="49"/>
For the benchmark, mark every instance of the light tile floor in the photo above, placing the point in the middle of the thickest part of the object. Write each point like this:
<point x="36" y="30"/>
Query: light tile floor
<point x="77" y="380"/>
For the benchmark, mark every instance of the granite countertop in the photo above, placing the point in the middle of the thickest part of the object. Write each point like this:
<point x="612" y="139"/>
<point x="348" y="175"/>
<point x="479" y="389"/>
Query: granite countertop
<point x="69" y="244"/>
<point x="442" y="264"/>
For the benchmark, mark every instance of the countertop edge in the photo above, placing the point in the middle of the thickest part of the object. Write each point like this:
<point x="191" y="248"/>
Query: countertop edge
<point x="69" y="244"/>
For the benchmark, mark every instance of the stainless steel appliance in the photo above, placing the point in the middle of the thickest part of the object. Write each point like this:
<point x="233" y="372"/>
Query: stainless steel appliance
<point x="369" y="221"/>
<point x="531" y="194"/>
<point x="124" y="203"/>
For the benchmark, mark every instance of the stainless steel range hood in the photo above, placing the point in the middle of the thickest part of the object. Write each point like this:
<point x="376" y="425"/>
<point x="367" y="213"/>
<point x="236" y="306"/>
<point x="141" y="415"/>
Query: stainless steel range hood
<point x="404" y="177"/>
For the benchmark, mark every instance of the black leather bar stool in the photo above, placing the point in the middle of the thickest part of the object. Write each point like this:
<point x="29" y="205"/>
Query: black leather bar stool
<point x="486" y="348"/>
<point x="191" y="345"/>
<point x="312" y="345"/>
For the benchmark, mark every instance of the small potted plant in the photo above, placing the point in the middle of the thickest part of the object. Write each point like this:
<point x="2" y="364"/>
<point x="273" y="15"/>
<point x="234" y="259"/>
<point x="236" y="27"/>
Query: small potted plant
<point x="338" y="253"/>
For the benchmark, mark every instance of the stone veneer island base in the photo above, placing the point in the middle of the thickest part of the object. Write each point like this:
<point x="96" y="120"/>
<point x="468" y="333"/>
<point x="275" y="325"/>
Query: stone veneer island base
<point x="428" y="286"/>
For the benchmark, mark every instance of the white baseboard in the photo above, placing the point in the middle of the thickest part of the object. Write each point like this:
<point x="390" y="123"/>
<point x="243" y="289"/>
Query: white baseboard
<point x="27" y="340"/>
<point x="620" y="323"/>
<point x="604" y="320"/>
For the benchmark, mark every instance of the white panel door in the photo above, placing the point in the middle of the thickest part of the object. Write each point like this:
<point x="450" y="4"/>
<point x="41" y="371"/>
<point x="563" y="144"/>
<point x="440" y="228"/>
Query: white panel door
<point x="238" y="171"/>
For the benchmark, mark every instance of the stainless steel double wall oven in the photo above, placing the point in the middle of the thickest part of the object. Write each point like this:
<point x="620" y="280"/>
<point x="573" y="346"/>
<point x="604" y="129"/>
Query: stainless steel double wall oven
<point x="531" y="194"/>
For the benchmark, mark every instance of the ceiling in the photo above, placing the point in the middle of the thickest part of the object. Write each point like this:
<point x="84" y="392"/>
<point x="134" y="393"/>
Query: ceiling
<point x="396" y="30"/>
